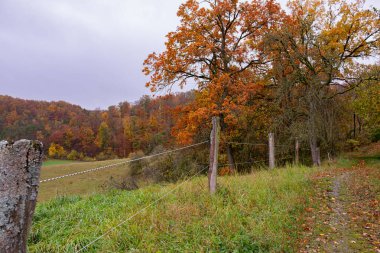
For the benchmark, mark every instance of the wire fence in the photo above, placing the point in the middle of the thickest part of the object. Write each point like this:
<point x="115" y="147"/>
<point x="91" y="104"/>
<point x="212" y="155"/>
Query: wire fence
<point x="171" y="191"/>
<point x="141" y="210"/>
<point x="122" y="163"/>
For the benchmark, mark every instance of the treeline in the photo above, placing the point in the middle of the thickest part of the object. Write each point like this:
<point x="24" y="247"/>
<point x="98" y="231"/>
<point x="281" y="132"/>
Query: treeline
<point x="69" y="131"/>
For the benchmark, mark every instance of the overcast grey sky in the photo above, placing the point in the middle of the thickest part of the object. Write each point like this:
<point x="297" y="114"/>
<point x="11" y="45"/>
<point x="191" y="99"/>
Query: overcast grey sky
<point x="87" y="52"/>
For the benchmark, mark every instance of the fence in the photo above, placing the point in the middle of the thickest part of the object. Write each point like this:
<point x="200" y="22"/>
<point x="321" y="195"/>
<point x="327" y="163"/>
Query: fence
<point x="22" y="184"/>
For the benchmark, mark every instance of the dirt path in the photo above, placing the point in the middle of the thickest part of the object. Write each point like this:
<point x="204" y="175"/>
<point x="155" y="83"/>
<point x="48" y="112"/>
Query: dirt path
<point x="339" y="222"/>
<point x="346" y="218"/>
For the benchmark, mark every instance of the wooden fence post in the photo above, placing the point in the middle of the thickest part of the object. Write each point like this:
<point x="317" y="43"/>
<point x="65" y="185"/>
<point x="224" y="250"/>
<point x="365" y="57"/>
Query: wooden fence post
<point x="214" y="150"/>
<point x="20" y="164"/>
<point x="271" y="151"/>
<point x="297" y="152"/>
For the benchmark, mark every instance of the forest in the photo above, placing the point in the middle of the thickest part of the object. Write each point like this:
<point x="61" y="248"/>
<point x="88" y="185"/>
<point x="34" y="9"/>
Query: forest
<point x="311" y="74"/>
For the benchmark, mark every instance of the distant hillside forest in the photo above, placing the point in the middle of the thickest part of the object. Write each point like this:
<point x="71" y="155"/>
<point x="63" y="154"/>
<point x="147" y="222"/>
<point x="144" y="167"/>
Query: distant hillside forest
<point x="69" y="131"/>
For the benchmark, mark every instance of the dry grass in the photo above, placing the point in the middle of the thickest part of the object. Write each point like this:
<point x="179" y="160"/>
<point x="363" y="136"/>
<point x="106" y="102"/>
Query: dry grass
<point x="80" y="184"/>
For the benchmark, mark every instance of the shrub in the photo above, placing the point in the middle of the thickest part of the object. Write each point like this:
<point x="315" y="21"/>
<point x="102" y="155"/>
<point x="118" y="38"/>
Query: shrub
<point x="56" y="151"/>
<point x="136" y="168"/>
<point x="73" y="155"/>
<point x="107" y="155"/>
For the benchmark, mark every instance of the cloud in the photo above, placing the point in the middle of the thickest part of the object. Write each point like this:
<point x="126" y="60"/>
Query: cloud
<point x="87" y="52"/>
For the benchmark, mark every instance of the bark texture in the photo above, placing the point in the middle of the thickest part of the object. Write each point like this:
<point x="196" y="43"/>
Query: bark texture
<point x="20" y="164"/>
<point x="214" y="151"/>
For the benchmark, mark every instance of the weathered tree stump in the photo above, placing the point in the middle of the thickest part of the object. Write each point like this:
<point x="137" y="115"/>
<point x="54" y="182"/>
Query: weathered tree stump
<point x="20" y="164"/>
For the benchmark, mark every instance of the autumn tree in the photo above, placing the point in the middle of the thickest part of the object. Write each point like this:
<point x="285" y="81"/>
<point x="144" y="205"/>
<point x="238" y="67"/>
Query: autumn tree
<point x="317" y="56"/>
<point x="103" y="137"/>
<point x="218" y="45"/>
<point x="366" y="105"/>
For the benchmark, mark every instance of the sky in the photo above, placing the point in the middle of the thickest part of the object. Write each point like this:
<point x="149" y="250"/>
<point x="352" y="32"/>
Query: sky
<point x="86" y="52"/>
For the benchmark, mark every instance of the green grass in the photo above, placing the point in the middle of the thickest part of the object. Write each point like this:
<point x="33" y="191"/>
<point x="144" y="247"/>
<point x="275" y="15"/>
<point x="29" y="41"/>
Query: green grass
<point x="253" y="213"/>
<point x="51" y="162"/>
<point x="84" y="184"/>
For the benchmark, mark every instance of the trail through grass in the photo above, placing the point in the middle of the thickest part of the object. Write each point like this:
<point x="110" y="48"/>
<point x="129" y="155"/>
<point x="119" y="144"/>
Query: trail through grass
<point x="347" y="218"/>
<point x="254" y="213"/>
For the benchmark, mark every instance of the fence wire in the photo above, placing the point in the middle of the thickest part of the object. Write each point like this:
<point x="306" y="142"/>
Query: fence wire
<point x="122" y="163"/>
<point x="142" y="209"/>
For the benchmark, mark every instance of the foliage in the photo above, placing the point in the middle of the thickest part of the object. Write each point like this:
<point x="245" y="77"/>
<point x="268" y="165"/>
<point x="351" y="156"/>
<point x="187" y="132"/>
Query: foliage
<point x="218" y="45"/>
<point x="57" y="151"/>
<point x="118" y="130"/>
<point x="366" y="103"/>
<point x="316" y="60"/>
<point x="103" y="138"/>
<point x="74" y="155"/>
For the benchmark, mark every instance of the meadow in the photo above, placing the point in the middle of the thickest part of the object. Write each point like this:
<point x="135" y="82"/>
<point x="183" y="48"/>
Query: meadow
<point x="84" y="184"/>
<point x="260" y="212"/>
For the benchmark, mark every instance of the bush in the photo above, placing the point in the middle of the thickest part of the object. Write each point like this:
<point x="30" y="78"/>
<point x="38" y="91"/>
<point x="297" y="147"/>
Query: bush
<point x="170" y="167"/>
<point x="88" y="159"/>
<point x="128" y="184"/>
<point x="352" y="144"/>
<point x="56" y="151"/>
<point x="74" y="155"/>
<point x="136" y="168"/>
<point x="107" y="155"/>
<point x="376" y="135"/>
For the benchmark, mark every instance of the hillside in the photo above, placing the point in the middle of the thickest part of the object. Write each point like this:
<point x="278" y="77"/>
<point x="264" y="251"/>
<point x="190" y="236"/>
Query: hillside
<point x="75" y="133"/>
<point x="284" y="210"/>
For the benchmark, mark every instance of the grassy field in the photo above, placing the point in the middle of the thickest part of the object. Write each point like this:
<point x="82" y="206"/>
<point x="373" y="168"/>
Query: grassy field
<point x="77" y="185"/>
<point x="51" y="162"/>
<point x="294" y="209"/>
<point x="253" y="213"/>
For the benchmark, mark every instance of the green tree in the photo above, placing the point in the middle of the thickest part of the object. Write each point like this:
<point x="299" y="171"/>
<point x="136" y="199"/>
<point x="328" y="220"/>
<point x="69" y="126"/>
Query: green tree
<point x="103" y="136"/>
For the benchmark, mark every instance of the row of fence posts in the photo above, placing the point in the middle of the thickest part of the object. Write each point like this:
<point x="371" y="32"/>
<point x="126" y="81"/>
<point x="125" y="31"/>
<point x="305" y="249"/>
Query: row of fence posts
<point x="214" y="148"/>
<point x="20" y="164"/>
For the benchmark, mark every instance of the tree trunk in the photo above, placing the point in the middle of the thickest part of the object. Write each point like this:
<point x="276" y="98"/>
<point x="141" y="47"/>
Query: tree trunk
<point x="297" y="153"/>
<point x="20" y="164"/>
<point x="230" y="157"/>
<point x="315" y="154"/>
<point x="354" y="125"/>
<point x="312" y="131"/>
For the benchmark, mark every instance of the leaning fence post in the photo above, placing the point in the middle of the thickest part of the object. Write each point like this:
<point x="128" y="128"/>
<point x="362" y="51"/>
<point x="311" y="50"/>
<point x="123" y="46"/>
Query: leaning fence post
<point x="271" y="151"/>
<point x="20" y="164"/>
<point x="214" y="149"/>
<point x="297" y="152"/>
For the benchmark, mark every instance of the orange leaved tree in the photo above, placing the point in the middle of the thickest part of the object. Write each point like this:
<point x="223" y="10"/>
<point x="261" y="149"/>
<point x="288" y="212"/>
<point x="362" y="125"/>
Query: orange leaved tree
<point x="218" y="46"/>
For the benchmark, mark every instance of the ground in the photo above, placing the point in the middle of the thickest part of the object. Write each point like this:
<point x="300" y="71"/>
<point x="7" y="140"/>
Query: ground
<point x="346" y="213"/>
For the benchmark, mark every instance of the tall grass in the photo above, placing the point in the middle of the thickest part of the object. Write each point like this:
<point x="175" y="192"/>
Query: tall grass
<point x="253" y="213"/>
